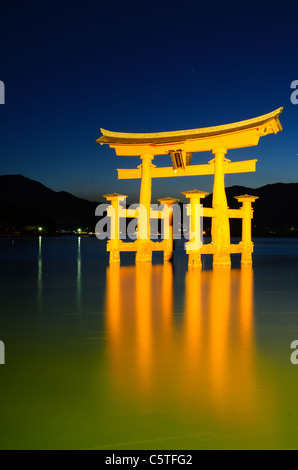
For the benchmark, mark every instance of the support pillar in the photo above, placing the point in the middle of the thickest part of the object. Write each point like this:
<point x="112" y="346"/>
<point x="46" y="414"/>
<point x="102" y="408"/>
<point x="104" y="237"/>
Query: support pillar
<point x="168" y="212"/>
<point x="220" y="223"/>
<point x="144" y="251"/>
<point x="247" y="215"/>
<point x="114" y="242"/>
<point x="193" y="247"/>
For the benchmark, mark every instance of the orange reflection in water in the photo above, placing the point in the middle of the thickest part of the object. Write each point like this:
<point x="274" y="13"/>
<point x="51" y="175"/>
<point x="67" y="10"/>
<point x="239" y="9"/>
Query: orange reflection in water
<point x="143" y="325"/>
<point x="201" y="359"/>
<point x="229" y="339"/>
<point x="218" y="334"/>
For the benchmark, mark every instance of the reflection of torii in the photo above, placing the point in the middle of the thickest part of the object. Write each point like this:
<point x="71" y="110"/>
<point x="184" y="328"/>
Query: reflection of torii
<point x="211" y="346"/>
<point x="181" y="145"/>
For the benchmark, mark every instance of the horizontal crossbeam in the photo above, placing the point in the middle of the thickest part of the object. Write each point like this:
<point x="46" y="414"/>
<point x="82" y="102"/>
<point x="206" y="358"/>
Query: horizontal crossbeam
<point x="211" y="249"/>
<point x="162" y="246"/>
<point x="133" y="246"/>
<point x="191" y="170"/>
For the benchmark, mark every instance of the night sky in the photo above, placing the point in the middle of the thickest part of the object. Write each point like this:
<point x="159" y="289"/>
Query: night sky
<point x="71" y="67"/>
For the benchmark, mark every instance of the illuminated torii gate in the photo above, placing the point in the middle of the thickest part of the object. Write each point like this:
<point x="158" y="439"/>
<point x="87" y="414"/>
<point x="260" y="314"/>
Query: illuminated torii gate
<point x="181" y="145"/>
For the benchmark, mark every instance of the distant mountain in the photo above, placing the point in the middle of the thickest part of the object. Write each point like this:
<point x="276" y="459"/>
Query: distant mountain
<point x="275" y="212"/>
<point x="24" y="202"/>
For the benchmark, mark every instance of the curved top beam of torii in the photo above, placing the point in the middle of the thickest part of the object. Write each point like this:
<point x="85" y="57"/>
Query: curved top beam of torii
<point x="229" y="136"/>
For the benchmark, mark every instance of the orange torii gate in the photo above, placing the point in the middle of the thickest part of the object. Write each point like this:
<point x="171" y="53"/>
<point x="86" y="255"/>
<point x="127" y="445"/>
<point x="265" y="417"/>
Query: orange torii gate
<point x="181" y="145"/>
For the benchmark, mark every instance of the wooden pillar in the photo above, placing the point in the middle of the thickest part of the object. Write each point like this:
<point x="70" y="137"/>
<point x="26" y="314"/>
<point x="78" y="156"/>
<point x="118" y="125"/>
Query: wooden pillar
<point x="220" y="223"/>
<point x="194" y="254"/>
<point x="114" y="242"/>
<point x="144" y="251"/>
<point x="247" y="215"/>
<point x="168" y="212"/>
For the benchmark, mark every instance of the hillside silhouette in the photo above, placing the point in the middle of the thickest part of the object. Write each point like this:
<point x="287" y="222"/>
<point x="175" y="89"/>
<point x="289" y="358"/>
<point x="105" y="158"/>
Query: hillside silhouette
<point x="25" y="202"/>
<point x="28" y="203"/>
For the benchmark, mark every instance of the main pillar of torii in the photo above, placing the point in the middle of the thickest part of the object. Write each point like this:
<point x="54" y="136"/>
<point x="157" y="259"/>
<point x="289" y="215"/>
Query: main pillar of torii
<point x="181" y="145"/>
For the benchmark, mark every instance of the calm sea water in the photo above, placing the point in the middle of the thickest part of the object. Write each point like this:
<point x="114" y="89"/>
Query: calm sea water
<point x="146" y="357"/>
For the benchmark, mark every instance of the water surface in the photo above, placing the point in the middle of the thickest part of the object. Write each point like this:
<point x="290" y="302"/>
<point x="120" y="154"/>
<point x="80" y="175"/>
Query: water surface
<point x="146" y="357"/>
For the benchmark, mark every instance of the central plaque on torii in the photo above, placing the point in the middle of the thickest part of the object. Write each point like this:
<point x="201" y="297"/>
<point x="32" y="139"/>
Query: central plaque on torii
<point x="180" y="146"/>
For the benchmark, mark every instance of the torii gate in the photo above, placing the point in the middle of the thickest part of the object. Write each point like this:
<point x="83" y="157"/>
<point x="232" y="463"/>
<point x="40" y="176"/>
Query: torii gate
<point x="181" y="145"/>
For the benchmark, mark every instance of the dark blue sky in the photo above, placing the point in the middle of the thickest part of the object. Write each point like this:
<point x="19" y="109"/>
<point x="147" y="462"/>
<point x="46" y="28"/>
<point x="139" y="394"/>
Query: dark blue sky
<point x="71" y="67"/>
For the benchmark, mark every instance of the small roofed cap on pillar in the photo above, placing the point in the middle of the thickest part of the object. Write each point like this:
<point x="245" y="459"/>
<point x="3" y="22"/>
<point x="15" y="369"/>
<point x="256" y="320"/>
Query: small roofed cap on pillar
<point x="110" y="197"/>
<point x="168" y="200"/>
<point x="246" y="197"/>
<point x="195" y="193"/>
